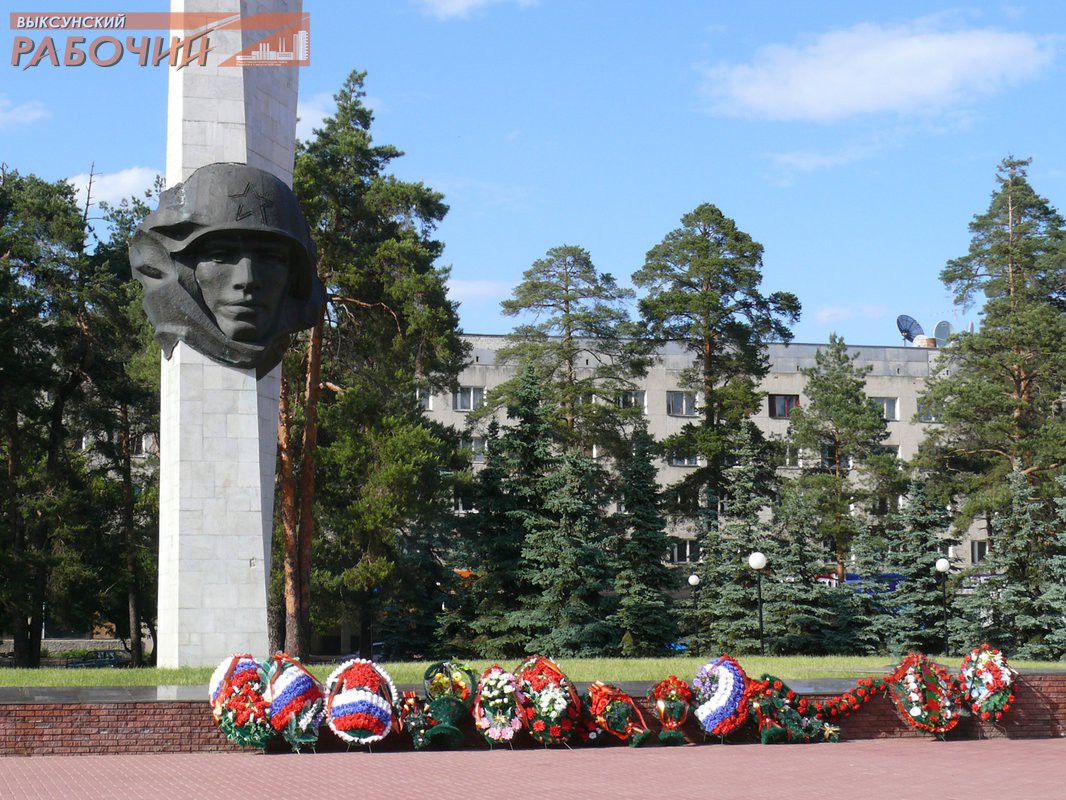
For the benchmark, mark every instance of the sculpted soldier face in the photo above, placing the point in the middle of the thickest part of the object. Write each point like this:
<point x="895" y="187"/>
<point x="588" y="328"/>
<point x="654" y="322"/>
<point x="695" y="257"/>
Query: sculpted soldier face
<point x="227" y="263"/>
<point x="244" y="279"/>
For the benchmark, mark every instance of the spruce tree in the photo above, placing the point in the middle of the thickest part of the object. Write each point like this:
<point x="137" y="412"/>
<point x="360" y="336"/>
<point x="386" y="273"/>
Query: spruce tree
<point x="1013" y="598"/>
<point x="643" y="581"/>
<point x="728" y="606"/>
<point x="512" y="494"/>
<point x="915" y="543"/>
<point x="797" y="608"/>
<point x="839" y="428"/>
<point x="567" y="562"/>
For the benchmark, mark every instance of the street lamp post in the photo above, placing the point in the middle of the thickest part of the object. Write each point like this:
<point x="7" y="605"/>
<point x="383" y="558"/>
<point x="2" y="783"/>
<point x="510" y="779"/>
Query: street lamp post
<point x="694" y="582"/>
<point x="757" y="561"/>
<point x="943" y="566"/>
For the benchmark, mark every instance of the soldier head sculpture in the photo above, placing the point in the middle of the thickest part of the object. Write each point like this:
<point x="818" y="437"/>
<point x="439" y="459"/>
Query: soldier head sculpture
<point x="228" y="266"/>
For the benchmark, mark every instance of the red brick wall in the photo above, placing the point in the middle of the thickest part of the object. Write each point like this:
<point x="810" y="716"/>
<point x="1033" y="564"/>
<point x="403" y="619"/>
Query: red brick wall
<point x="174" y="727"/>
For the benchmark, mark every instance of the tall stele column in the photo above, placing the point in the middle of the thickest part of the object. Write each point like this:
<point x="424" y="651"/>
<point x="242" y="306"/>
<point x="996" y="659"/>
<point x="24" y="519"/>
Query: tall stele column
<point x="223" y="309"/>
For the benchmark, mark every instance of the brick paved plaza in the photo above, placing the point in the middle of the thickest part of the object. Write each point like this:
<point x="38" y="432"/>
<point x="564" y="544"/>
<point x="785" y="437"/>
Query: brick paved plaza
<point x="868" y="770"/>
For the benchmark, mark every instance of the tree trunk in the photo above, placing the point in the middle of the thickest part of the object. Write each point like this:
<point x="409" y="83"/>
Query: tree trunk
<point x="133" y="599"/>
<point x="291" y="565"/>
<point x="307" y="483"/>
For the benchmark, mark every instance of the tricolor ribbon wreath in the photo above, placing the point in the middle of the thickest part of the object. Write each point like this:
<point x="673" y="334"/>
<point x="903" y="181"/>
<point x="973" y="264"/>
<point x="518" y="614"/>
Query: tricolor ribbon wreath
<point x="253" y="701"/>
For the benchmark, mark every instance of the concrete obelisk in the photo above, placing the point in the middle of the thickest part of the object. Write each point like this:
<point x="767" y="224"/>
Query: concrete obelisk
<point x="219" y="423"/>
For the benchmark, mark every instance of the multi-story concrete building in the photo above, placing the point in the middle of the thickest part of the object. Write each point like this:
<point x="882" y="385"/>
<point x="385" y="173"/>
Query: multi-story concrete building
<point x="896" y="378"/>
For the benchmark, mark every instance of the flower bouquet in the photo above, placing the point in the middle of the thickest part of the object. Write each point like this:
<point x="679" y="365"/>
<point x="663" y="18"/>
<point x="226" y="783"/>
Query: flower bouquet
<point x="498" y="705"/>
<point x="617" y="714"/>
<point x="553" y="706"/>
<point x="237" y="690"/>
<point x="987" y="682"/>
<point x="359" y="702"/>
<point x="921" y="691"/>
<point x="450" y="691"/>
<point x="779" y="718"/>
<point x="671" y="698"/>
<point x="297" y="702"/>
<point x="721" y="690"/>
<point x="414" y="718"/>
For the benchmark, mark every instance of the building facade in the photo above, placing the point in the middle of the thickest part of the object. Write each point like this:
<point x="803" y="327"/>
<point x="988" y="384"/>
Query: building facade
<point x="896" y="379"/>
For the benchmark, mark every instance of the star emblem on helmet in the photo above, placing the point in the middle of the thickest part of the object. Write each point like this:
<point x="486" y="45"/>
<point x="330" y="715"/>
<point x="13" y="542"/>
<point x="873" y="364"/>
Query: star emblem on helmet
<point x="248" y="201"/>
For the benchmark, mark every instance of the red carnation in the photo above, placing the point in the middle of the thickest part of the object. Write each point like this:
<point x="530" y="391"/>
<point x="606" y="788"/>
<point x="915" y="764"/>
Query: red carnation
<point x="566" y="725"/>
<point x="777" y="685"/>
<point x="555" y="731"/>
<point x="530" y="713"/>
<point x="539" y="725"/>
<point x="986" y="716"/>
<point x="1010" y="698"/>
<point x="999" y="715"/>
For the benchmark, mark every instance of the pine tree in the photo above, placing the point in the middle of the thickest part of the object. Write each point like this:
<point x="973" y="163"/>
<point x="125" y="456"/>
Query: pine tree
<point x="388" y="329"/>
<point x="728" y="604"/>
<point x="994" y="395"/>
<point x="643" y="582"/>
<point x="916" y="542"/>
<point x="1014" y="604"/>
<point x="582" y="343"/>
<point x="703" y="290"/>
<point x="839" y="427"/>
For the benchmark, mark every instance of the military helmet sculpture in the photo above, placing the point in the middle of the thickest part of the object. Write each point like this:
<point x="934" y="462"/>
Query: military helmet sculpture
<point x="228" y="266"/>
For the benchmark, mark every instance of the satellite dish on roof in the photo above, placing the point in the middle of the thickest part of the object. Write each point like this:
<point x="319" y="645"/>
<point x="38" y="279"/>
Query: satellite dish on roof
<point x="909" y="327"/>
<point x="942" y="332"/>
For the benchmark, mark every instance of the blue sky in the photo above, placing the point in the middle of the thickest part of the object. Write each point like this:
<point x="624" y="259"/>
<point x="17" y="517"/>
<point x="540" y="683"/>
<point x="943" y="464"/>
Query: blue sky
<point x="855" y="141"/>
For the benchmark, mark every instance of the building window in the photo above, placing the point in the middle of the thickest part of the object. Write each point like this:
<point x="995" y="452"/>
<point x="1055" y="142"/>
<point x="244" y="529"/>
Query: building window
<point x="681" y="404"/>
<point x="463" y="501"/>
<point x="926" y="414"/>
<point x="634" y="399"/>
<point x="424" y="398"/>
<point x="788" y="456"/>
<point x="886" y="450"/>
<point x="684" y="459"/>
<point x="468" y="398"/>
<point x="829" y="458"/>
<point x="978" y="550"/>
<point x="476" y="446"/>
<point x="887" y="406"/>
<point x="781" y="405"/>
<point x="685" y="551"/>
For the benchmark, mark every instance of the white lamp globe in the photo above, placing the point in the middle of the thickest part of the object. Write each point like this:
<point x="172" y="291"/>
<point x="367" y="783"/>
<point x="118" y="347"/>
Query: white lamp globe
<point x="943" y="565"/>
<point x="693" y="580"/>
<point x="757" y="560"/>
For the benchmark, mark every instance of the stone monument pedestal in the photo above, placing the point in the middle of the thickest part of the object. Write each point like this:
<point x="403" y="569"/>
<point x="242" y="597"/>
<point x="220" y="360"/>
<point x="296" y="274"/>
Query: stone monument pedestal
<point x="218" y="443"/>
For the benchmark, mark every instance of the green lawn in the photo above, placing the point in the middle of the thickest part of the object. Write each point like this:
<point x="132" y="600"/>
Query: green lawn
<point x="647" y="670"/>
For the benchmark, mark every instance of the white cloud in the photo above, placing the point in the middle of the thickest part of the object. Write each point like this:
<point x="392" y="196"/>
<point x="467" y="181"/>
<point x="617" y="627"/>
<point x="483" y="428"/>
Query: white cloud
<point x="867" y="69"/>
<point x="809" y="160"/>
<point x="111" y="187"/>
<point x="461" y="9"/>
<point x="477" y="291"/>
<point x="21" y="114"/>
<point x="824" y="314"/>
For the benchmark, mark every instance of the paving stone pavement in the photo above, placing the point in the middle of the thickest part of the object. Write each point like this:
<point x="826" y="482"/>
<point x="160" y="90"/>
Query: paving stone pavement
<point x="865" y="770"/>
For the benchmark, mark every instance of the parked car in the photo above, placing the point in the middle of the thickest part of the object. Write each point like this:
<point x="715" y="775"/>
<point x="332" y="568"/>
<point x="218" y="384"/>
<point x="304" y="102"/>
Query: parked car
<point x="101" y="659"/>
